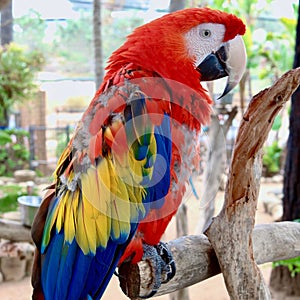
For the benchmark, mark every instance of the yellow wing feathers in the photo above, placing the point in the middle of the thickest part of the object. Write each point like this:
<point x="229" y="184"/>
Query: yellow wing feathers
<point x="100" y="193"/>
<point x="108" y="199"/>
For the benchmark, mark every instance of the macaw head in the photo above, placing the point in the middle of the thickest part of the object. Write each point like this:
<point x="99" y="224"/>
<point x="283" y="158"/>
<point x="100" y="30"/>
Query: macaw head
<point x="189" y="46"/>
<point x="216" y="52"/>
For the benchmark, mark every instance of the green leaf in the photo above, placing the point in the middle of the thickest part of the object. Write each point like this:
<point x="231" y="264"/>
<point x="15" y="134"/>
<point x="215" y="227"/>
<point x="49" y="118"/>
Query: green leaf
<point x="4" y="138"/>
<point x="290" y="24"/>
<point x="17" y="147"/>
<point x="293" y="264"/>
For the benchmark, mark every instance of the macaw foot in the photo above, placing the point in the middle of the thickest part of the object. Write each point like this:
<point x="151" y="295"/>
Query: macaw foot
<point x="162" y="266"/>
<point x="143" y="279"/>
<point x="169" y="267"/>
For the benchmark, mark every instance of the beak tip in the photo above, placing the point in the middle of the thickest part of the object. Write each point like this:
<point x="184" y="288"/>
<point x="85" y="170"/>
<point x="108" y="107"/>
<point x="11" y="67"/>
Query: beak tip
<point x="229" y="87"/>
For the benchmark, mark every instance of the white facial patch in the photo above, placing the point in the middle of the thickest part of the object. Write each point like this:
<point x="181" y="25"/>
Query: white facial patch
<point x="204" y="39"/>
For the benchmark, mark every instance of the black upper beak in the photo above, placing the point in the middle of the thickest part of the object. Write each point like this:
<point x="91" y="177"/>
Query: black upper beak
<point x="213" y="66"/>
<point x="229" y="60"/>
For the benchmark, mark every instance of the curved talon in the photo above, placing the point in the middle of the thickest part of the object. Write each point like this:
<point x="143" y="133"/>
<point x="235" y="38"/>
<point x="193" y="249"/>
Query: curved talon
<point x="163" y="252"/>
<point x="166" y="255"/>
<point x="161" y="264"/>
<point x="171" y="271"/>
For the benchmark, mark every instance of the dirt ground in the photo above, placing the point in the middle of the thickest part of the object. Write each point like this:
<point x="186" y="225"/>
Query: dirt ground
<point x="211" y="289"/>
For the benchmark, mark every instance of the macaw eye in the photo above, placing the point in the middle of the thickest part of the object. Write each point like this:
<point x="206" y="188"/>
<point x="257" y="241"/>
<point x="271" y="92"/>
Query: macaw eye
<point x="206" y="33"/>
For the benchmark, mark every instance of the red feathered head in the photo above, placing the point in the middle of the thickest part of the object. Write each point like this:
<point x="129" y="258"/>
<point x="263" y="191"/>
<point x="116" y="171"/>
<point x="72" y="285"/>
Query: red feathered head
<point x="162" y="45"/>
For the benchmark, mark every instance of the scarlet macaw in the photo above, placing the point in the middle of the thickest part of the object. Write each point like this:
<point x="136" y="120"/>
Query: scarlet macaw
<point x="122" y="176"/>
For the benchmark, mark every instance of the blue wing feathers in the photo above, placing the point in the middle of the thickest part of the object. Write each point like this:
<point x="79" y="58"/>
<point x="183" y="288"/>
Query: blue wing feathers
<point x="51" y="265"/>
<point x="102" y="269"/>
<point x="117" y="255"/>
<point x="160" y="181"/>
<point x="68" y="256"/>
<point x="68" y="272"/>
<point x="80" y="273"/>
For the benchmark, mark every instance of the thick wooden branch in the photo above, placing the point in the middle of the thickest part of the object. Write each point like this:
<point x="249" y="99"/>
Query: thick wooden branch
<point x="14" y="231"/>
<point x="196" y="260"/>
<point x="231" y="231"/>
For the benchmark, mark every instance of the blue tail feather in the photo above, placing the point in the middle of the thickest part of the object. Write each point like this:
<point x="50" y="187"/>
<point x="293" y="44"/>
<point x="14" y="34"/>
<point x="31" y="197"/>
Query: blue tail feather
<point x="68" y="255"/>
<point x="69" y="274"/>
<point x="81" y="268"/>
<point x="117" y="255"/>
<point x="50" y="265"/>
<point x="103" y="266"/>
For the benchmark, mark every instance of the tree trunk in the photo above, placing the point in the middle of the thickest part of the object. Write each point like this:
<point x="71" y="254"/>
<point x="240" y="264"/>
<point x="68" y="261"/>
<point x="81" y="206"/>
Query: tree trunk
<point x="176" y="5"/>
<point x="4" y="122"/>
<point x="281" y="280"/>
<point x="97" y="43"/>
<point x="3" y="3"/>
<point x="242" y="85"/>
<point x="6" y="38"/>
<point x="6" y="24"/>
<point x="291" y="188"/>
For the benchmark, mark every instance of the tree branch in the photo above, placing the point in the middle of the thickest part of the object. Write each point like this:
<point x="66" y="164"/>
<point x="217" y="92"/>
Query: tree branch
<point x="196" y="260"/>
<point x="230" y="233"/>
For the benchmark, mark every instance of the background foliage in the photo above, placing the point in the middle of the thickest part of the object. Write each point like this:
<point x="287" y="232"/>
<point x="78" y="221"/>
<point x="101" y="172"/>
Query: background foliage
<point x="18" y="67"/>
<point x="13" y="151"/>
<point x="69" y="49"/>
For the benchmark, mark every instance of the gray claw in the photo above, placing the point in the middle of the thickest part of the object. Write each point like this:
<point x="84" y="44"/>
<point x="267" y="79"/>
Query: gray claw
<point x="169" y="269"/>
<point x="162" y="265"/>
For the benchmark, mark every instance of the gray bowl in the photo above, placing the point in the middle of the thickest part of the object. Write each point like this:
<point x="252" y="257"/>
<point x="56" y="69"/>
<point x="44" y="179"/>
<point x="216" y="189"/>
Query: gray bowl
<point x="28" y="207"/>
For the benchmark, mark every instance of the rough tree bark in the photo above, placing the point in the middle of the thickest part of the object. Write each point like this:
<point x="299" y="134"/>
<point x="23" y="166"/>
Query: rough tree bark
<point x="270" y="241"/>
<point x="230" y="233"/>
